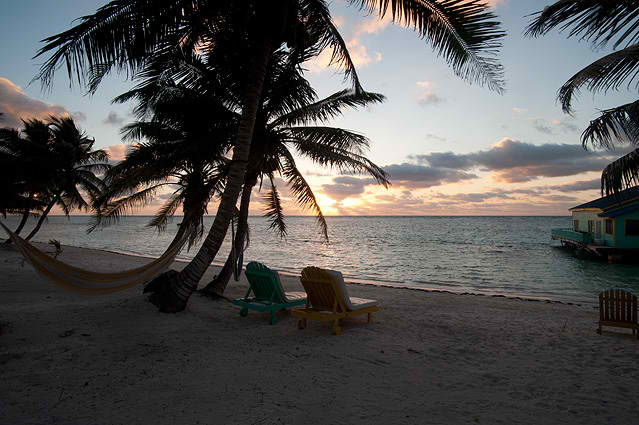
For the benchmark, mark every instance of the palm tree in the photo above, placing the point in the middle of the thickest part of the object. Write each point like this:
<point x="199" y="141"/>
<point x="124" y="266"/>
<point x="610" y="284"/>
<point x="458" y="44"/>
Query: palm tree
<point x="122" y="34"/>
<point x="180" y="145"/>
<point x="601" y="23"/>
<point x="285" y="121"/>
<point x="72" y="169"/>
<point x="24" y="166"/>
<point x="190" y="123"/>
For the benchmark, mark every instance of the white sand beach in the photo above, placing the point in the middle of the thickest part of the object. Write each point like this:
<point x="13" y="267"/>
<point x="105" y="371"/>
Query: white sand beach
<point x="427" y="358"/>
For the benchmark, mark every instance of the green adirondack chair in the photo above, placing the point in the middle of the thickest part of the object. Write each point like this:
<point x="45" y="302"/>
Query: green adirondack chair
<point x="268" y="294"/>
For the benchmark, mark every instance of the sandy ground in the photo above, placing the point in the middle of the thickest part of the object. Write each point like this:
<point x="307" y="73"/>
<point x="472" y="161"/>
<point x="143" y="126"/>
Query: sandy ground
<point x="427" y="358"/>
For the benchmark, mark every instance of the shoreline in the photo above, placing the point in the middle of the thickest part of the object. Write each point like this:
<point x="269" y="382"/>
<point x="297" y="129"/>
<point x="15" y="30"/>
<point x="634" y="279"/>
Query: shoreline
<point x="378" y="283"/>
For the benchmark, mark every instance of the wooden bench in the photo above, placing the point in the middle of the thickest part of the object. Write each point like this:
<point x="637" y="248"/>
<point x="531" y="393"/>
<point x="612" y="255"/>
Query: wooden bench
<point x="618" y="308"/>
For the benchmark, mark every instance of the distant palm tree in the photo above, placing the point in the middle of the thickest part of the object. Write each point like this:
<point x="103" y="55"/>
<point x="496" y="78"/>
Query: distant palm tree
<point x="72" y="168"/>
<point x="122" y="34"/>
<point x="24" y="169"/>
<point x="602" y="22"/>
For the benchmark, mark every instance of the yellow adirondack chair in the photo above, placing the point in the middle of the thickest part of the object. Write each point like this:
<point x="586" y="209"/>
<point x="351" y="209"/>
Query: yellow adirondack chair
<point x="328" y="301"/>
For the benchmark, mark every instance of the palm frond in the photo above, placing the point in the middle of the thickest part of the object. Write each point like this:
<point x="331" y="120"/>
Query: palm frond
<point x="463" y="32"/>
<point x="615" y="124"/>
<point x="303" y="193"/>
<point x="621" y="174"/>
<point x="161" y="217"/>
<point x="119" y="35"/>
<point x="274" y="211"/>
<point x="329" y="137"/>
<point x="325" y="33"/>
<point x="328" y="108"/>
<point x="106" y="215"/>
<point x="596" y="21"/>
<point x="607" y="73"/>
<point x="344" y="161"/>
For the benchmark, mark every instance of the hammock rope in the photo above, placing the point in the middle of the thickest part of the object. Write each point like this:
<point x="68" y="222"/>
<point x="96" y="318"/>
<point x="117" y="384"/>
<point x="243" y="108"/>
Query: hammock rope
<point x="89" y="282"/>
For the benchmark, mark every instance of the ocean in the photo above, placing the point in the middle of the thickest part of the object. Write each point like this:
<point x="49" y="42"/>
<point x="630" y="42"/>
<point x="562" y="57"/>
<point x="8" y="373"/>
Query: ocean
<point x="512" y="256"/>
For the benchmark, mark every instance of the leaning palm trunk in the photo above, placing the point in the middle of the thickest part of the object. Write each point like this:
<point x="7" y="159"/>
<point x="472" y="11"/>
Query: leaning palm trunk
<point x="218" y="285"/>
<point x="171" y="293"/>
<point x="42" y="218"/>
<point x="23" y="221"/>
<point x="25" y="216"/>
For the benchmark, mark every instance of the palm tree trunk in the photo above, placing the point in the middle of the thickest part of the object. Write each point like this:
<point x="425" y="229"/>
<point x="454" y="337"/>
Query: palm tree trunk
<point x="218" y="285"/>
<point x="25" y="217"/>
<point x="42" y="218"/>
<point x="174" y="293"/>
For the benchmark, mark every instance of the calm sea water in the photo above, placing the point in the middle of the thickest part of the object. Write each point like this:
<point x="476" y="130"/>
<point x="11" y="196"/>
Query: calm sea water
<point x="491" y="255"/>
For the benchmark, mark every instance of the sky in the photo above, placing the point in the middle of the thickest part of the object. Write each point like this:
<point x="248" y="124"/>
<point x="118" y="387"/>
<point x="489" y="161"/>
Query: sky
<point x="450" y="147"/>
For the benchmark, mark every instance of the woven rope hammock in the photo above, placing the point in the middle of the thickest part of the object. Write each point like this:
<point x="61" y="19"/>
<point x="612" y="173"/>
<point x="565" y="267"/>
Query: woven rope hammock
<point x="87" y="282"/>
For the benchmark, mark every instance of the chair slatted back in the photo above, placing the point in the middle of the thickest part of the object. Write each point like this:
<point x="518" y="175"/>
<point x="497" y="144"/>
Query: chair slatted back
<point x="321" y="290"/>
<point x="617" y="305"/>
<point x="263" y="283"/>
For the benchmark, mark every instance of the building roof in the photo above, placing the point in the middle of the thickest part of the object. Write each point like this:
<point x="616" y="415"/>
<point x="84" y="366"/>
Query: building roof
<point x="610" y="201"/>
<point x="616" y="212"/>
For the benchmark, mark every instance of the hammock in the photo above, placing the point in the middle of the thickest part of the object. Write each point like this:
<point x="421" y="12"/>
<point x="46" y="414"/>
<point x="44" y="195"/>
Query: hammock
<point x="87" y="282"/>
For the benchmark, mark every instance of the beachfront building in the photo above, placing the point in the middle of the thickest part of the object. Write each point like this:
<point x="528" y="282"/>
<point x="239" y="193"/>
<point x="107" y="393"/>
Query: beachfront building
<point x="607" y="226"/>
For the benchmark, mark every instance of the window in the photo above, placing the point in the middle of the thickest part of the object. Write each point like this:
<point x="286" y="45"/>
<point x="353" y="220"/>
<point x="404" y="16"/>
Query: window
<point x="632" y="227"/>
<point x="575" y="225"/>
<point x="591" y="226"/>
<point x="609" y="227"/>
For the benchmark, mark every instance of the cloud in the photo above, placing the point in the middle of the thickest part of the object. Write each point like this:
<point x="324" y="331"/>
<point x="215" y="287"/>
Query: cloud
<point x="594" y="184"/>
<point x="435" y="137"/>
<point x="359" y="54"/>
<point x="113" y="119"/>
<point x="78" y="116"/>
<point x="446" y="160"/>
<point x="566" y="127"/>
<point x="358" y="51"/>
<point x="117" y="152"/>
<point x="317" y="173"/>
<point x="345" y="187"/>
<point x="539" y="194"/>
<point x="512" y="161"/>
<point x="543" y="126"/>
<point x="555" y="198"/>
<point x="373" y="24"/>
<point x="15" y="105"/>
<point x="419" y="176"/>
<point x="429" y="98"/>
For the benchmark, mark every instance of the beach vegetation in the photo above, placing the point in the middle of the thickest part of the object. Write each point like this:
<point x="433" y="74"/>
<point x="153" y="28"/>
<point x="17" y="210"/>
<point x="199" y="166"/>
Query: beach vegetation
<point x="181" y="141"/>
<point x="293" y="121"/>
<point x="123" y="34"/>
<point x="22" y="165"/>
<point x="54" y="163"/>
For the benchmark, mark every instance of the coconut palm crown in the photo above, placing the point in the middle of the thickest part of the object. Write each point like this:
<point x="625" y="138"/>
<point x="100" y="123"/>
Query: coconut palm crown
<point x="61" y="167"/>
